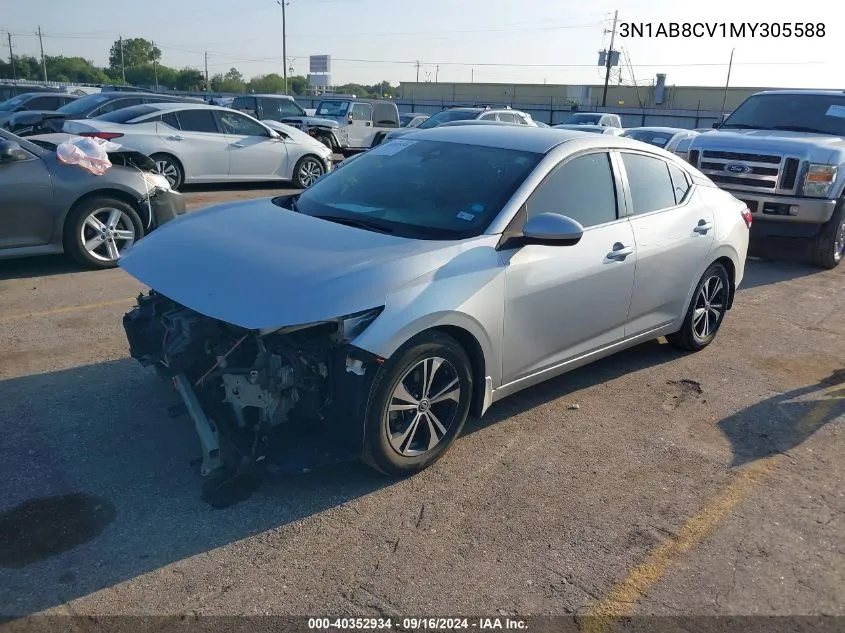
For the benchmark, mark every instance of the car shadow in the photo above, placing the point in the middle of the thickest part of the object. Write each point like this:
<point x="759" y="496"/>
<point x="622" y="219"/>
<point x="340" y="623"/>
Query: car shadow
<point x="30" y="267"/>
<point x="101" y="484"/>
<point x="237" y="186"/>
<point x="764" y="272"/>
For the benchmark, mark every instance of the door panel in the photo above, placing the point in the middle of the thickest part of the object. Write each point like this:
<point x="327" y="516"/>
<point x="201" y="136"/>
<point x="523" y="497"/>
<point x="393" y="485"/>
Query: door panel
<point x="252" y="154"/>
<point x="26" y="204"/>
<point x="361" y="131"/>
<point x="565" y="301"/>
<point x="199" y="145"/>
<point x="672" y="246"/>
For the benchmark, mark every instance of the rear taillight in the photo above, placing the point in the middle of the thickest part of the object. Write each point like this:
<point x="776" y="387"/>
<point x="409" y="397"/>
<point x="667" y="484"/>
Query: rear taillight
<point x="103" y="135"/>
<point x="746" y="215"/>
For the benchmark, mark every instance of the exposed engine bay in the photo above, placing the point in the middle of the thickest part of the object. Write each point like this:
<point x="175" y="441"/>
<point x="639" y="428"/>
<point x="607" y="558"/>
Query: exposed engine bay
<point x="245" y="389"/>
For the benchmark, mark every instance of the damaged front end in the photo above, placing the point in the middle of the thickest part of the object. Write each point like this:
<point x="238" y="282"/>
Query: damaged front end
<point x="252" y="393"/>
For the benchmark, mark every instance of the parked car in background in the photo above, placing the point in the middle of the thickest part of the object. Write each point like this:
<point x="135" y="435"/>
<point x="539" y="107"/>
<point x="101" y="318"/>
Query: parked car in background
<point x="541" y="124"/>
<point x="593" y="129"/>
<point x="199" y="143"/>
<point x="376" y="300"/>
<point x="269" y="107"/>
<point x="782" y="152"/>
<point x="412" y="119"/>
<point x="49" y="207"/>
<point x="594" y="118"/>
<point x="9" y="90"/>
<point x="672" y="139"/>
<point x="467" y="113"/>
<point x="36" y="101"/>
<point x="94" y="105"/>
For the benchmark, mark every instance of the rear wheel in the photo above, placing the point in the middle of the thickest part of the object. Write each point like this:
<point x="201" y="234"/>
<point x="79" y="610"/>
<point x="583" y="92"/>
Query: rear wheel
<point x="169" y="167"/>
<point x="706" y="311"/>
<point x="307" y="171"/>
<point x="828" y="247"/>
<point x="99" y="230"/>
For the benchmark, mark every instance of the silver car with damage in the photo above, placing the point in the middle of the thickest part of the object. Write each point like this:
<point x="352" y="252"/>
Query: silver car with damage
<point x="425" y="280"/>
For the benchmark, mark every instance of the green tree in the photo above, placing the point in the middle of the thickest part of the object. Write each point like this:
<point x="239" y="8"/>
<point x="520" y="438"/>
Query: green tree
<point x="232" y="81"/>
<point x="189" y="79"/>
<point x="298" y="84"/>
<point x="74" y="70"/>
<point x="267" y="84"/>
<point x="136" y="52"/>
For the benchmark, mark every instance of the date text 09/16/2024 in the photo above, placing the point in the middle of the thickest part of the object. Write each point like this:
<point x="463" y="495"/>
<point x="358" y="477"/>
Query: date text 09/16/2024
<point x="722" y="29"/>
<point x="415" y="624"/>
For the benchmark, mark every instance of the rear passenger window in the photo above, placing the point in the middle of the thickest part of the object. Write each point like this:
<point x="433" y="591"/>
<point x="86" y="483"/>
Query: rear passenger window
<point x="582" y="188"/>
<point x="650" y="183"/>
<point x="197" y="121"/>
<point x="680" y="182"/>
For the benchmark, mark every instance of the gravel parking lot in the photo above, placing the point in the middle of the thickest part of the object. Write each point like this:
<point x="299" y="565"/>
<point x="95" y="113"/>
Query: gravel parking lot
<point x="700" y="484"/>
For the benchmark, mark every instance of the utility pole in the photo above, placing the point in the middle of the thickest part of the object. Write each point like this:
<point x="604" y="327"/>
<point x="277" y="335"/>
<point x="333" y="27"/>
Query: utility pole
<point x="207" y="85"/>
<point x="281" y="3"/>
<point x="727" y="83"/>
<point x="43" y="61"/>
<point x="437" y="74"/>
<point x="155" y="66"/>
<point x="12" y="57"/>
<point x="122" y="63"/>
<point x="609" y="56"/>
<point x="472" y="76"/>
<point x="418" y="71"/>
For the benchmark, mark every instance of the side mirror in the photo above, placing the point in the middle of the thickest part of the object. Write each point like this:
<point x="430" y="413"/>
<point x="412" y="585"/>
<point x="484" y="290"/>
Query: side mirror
<point x="716" y="125"/>
<point x="274" y="134"/>
<point x="552" y="229"/>
<point x="11" y="152"/>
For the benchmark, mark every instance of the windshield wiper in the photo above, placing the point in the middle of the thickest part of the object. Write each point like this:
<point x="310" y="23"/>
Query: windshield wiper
<point x="358" y="224"/>
<point x="800" y="128"/>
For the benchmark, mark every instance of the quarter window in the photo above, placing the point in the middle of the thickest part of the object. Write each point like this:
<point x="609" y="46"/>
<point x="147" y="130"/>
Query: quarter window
<point x="582" y="188"/>
<point x="680" y="182"/>
<point x="649" y="181"/>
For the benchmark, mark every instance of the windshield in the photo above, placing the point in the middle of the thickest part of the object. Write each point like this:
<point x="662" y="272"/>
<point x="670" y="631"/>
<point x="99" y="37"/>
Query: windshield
<point x="421" y="189"/>
<point x="11" y="104"/>
<point x="332" y="108"/>
<point x="83" y="105"/>
<point x="447" y="116"/>
<point x="820" y="113"/>
<point x="584" y="119"/>
<point x="660" y="139"/>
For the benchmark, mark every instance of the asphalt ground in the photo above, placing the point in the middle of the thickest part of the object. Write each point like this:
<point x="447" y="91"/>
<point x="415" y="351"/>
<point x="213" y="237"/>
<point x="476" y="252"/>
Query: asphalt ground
<point x="682" y="484"/>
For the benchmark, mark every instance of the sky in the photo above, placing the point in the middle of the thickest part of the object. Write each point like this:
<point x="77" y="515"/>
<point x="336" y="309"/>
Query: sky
<point x="508" y="41"/>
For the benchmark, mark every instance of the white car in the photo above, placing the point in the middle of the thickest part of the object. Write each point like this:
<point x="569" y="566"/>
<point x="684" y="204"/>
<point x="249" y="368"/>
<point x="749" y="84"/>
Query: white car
<point x="595" y="129"/>
<point x="672" y="139"/>
<point x="196" y="143"/>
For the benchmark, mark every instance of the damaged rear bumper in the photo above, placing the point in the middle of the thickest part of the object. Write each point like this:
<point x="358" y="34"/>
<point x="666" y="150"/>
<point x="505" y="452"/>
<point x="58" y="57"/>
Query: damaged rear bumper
<point x="252" y="394"/>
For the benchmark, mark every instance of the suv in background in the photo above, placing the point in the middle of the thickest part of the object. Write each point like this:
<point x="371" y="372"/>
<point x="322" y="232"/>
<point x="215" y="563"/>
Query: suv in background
<point x="9" y="90"/>
<point x="36" y="101"/>
<point x="269" y="107"/>
<point x="466" y="113"/>
<point x="782" y="152"/>
<point x="594" y="118"/>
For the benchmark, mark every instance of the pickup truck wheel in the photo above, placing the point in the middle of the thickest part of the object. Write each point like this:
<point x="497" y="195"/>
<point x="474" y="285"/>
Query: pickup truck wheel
<point x="327" y="140"/>
<point x="829" y="245"/>
<point x="420" y="402"/>
<point x="99" y="230"/>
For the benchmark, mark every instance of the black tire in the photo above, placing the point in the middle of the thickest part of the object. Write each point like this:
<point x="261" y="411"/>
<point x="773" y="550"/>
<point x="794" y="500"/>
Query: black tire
<point x="384" y="429"/>
<point x="77" y="231"/>
<point x="828" y="247"/>
<point x="170" y="168"/>
<point x="307" y="170"/>
<point x="328" y="141"/>
<point x="697" y="331"/>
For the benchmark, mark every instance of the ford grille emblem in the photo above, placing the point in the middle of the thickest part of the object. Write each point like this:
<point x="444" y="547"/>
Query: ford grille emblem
<point x="738" y="168"/>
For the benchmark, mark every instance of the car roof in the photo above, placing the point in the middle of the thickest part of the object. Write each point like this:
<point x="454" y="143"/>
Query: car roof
<point x="825" y="93"/>
<point x="46" y="94"/>
<point x="183" y="105"/>
<point x="515" y="137"/>
<point x="657" y="128"/>
<point x="266" y="95"/>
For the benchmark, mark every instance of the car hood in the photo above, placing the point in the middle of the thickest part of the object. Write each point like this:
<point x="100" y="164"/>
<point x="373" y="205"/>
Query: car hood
<point x="262" y="267"/>
<point x="311" y="121"/>
<point x="813" y="147"/>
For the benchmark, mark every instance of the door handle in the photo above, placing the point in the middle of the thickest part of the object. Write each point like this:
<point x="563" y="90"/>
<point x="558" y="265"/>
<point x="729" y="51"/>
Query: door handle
<point x="620" y="251"/>
<point x="237" y="144"/>
<point x="703" y="227"/>
<point x="175" y="137"/>
<point x="367" y="124"/>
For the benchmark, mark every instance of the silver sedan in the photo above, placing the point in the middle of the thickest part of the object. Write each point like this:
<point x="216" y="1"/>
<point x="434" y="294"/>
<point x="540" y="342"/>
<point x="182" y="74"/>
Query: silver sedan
<point x="427" y="279"/>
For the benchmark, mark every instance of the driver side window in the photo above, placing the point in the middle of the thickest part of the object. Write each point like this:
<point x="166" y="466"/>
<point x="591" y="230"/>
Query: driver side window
<point x="582" y="188"/>
<point x="362" y="112"/>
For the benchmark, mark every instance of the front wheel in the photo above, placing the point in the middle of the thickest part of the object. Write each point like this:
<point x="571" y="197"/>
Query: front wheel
<point x="307" y="171"/>
<point x="706" y="311"/>
<point x="98" y="231"/>
<point x="829" y="245"/>
<point x="420" y="404"/>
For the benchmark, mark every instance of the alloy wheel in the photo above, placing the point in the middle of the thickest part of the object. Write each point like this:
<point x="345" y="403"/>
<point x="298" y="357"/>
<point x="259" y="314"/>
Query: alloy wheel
<point x="107" y="233"/>
<point x="309" y="171"/>
<point x="709" y="307"/>
<point x="839" y="242"/>
<point x="423" y="407"/>
<point x="169" y="171"/>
